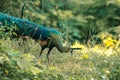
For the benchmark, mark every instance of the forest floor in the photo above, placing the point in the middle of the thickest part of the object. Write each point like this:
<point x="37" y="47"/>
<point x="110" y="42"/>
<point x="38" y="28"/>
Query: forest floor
<point x="89" y="63"/>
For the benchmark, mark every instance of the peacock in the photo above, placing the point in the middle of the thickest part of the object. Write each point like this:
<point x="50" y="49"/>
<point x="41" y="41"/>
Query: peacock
<point x="46" y="37"/>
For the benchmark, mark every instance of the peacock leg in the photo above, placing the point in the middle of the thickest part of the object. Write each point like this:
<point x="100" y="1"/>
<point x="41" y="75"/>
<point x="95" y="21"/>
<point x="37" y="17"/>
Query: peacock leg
<point x="49" y="52"/>
<point x="42" y="48"/>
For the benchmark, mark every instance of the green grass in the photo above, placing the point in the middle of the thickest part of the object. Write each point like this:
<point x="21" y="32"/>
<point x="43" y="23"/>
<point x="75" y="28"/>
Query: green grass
<point x="85" y="64"/>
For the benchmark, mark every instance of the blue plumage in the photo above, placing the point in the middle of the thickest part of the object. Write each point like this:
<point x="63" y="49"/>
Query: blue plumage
<point x="49" y="37"/>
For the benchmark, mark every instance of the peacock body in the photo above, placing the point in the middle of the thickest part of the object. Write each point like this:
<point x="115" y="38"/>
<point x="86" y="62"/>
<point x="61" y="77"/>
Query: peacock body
<point x="52" y="37"/>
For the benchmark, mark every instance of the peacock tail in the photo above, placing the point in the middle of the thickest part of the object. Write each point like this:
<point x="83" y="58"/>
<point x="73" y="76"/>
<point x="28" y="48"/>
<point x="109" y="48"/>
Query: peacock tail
<point x="28" y="28"/>
<point x="52" y="37"/>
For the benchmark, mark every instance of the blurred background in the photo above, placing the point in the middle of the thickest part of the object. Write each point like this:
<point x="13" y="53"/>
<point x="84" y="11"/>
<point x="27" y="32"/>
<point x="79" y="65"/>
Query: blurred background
<point x="81" y="20"/>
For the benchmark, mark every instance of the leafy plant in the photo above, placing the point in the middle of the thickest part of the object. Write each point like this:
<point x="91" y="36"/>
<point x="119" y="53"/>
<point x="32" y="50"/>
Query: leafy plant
<point x="14" y="65"/>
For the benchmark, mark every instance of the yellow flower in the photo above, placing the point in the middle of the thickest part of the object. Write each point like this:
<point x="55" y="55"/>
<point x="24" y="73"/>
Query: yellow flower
<point x="85" y="56"/>
<point x="78" y="45"/>
<point x="109" y="42"/>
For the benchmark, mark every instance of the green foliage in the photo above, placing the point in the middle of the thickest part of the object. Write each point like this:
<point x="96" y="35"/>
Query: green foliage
<point x="81" y="20"/>
<point x="84" y="18"/>
<point x="14" y="65"/>
<point x="7" y="32"/>
<point x="87" y="64"/>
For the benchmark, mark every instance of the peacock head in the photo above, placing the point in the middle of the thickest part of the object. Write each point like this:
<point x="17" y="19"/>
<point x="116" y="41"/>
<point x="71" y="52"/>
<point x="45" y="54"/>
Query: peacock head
<point x="66" y="49"/>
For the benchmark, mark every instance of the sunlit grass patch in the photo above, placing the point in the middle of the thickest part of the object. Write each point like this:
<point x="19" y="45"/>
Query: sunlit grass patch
<point x="78" y="45"/>
<point x="95" y="62"/>
<point x="28" y="46"/>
